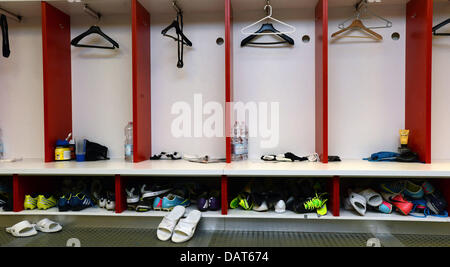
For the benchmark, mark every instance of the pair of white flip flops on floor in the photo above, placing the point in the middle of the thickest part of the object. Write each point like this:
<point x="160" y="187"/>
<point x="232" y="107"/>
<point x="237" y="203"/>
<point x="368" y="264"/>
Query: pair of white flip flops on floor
<point x="359" y="201"/>
<point x="180" y="230"/>
<point x="26" y="229"/>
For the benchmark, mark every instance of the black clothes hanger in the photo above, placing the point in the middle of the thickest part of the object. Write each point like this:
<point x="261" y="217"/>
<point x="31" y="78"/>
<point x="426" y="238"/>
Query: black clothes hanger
<point x="175" y="24"/>
<point x="4" y="26"/>
<point x="267" y="27"/>
<point x="181" y="39"/>
<point x="440" y="25"/>
<point x="92" y="30"/>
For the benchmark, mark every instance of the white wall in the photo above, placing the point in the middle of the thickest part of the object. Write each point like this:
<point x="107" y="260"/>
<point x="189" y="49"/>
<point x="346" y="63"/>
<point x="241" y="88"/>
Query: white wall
<point x="21" y="90"/>
<point x="285" y="75"/>
<point x="102" y="83"/>
<point x="441" y="87"/>
<point x="366" y="86"/>
<point x="203" y="73"/>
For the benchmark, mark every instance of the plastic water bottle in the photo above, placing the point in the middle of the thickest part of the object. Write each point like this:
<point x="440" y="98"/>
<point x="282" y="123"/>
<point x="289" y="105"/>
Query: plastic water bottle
<point x="1" y="145"/>
<point x="129" y="142"/>
<point x="244" y="136"/>
<point x="234" y="142"/>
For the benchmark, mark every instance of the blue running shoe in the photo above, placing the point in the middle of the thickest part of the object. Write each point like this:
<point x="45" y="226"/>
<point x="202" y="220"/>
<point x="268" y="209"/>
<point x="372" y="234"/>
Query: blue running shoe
<point x="80" y="201"/>
<point x="171" y="200"/>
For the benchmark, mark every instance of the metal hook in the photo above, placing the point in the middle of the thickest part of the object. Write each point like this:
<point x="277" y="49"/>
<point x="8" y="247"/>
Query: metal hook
<point x="268" y="9"/>
<point x="176" y="7"/>
<point x="91" y="12"/>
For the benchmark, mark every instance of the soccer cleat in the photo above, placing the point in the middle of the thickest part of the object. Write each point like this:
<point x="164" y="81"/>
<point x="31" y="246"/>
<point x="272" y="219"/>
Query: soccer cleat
<point x="436" y="203"/>
<point x="30" y="202"/>
<point x="157" y="203"/>
<point x="44" y="202"/>
<point x="64" y="202"/>
<point x="154" y="191"/>
<point x="402" y="205"/>
<point x="413" y="191"/>
<point x="80" y="201"/>
<point x="394" y="187"/>
<point x="428" y="188"/>
<point x="132" y="198"/>
<point x="309" y="204"/>
<point x="385" y="207"/>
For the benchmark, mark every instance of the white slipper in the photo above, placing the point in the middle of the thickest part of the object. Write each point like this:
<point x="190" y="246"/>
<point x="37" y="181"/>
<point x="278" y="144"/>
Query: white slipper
<point x="48" y="226"/>
<point x="373" y="198"/>
<point x="185" y="228"/>
<point x="358" y="203"/>
<point x="168" y="223"/>
<point x="22" y="229"/>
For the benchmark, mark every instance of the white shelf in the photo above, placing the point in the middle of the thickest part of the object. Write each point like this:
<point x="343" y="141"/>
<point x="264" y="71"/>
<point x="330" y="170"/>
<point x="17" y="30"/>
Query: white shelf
<point x="346" y="168"/>
<point x="94" y="211"/>
<point x="155" y="213"/>
<point x="112" y="167"/>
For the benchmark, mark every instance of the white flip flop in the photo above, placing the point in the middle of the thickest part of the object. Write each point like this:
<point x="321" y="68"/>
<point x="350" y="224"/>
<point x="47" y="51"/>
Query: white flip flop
<point x="22" y="229"/>
<point x="185" y="228"/>
<point x="358" y="202"/>
<point x="373" y="198"/>
<point x="168" y="223"/>
<point x="48" y="226"/>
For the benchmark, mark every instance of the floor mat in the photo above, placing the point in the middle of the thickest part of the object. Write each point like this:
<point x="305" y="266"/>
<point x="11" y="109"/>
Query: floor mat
<point x="124" y="237"/>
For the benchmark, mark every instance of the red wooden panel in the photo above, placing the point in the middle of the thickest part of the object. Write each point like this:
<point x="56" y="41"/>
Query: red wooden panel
<point x="228" y="76"/>
<point x="121" y="198"/>
<point x="141" y="83"/>
<point x="334" y="192"/>
<point x="18" y="194"/>
<point x="57" y="77"/>
<point x="419" y="24"/>
<point x="322" y="80"/>
<point x="224" y="194"/>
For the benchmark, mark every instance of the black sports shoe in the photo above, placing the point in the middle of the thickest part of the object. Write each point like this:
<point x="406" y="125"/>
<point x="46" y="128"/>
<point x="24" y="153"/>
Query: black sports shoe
<point x="436" y="202"/>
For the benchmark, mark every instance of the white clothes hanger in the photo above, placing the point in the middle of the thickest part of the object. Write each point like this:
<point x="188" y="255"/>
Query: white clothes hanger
<point x="268" y="17"/>
<point x="362" y="6"/>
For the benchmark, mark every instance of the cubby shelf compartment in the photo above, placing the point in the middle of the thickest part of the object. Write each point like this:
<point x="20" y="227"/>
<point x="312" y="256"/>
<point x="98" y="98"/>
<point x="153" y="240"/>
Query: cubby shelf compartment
<point x="58" y="76"/>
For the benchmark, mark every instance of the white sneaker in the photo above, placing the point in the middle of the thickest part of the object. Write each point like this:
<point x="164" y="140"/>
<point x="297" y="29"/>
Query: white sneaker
<point x="110" y="205"/>
<point x="280" y="207"/>
<point x="102" y="203"/>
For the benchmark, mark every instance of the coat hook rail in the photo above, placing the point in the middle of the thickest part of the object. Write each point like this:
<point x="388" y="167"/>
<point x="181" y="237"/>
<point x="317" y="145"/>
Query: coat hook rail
<point x="10" y="15"/>
<point x="91" y="12"/>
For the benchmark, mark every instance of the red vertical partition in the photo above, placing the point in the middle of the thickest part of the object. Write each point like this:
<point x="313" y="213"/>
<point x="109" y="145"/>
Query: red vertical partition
<point x="18" y="193"/>
<point x="334" y="191"/>
<point x="57" y="77"/>
<point x="141" y="83"/>
<point x="224" y="194"/>
<point x="121" y="198"/>
<point x="228" y="76"/>
<point x="419" y="24"/>
<point x="322" y="80"/>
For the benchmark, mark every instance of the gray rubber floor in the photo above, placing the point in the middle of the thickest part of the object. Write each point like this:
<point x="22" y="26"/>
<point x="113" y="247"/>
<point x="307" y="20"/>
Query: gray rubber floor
<point x="123" y="237"/>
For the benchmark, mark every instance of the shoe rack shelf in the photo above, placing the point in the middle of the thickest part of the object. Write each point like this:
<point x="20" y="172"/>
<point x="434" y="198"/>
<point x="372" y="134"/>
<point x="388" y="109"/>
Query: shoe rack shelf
<point x="60" y="71"/>
<point x="346" y="168"/>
